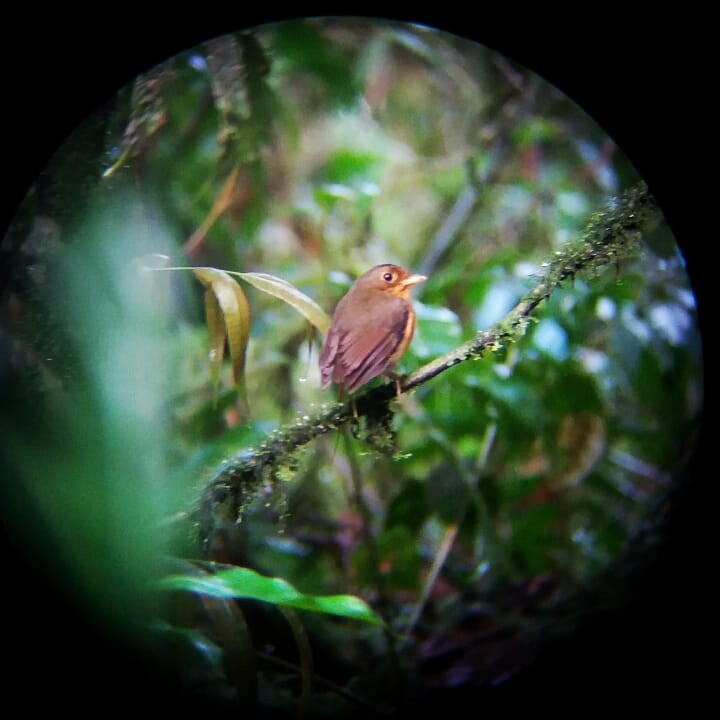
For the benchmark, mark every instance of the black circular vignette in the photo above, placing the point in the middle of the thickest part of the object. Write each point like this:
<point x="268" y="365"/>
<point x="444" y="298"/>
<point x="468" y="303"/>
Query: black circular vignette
<point x="647" y="89"/>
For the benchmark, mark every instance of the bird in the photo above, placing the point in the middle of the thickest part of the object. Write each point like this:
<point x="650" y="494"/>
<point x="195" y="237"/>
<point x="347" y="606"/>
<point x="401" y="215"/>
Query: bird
<point x="370" y="329"/>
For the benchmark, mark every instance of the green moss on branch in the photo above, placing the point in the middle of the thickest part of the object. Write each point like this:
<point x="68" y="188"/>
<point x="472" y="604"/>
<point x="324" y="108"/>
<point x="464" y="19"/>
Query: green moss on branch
<point x="611" y="236"/>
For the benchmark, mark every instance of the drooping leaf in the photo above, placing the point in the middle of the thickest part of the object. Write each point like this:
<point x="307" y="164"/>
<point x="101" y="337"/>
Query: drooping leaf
<point x="287" y="292"/>
<point x="216" y="336"/>
<point x="237" y="582"/>
<point x="236" y="313"/>
<point x="230" y="301"/>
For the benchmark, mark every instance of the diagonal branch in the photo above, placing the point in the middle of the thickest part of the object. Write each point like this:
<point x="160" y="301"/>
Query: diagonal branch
<point x="611" y="236"/>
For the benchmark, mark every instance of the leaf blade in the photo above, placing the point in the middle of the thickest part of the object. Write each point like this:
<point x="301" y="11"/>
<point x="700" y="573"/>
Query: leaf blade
<point x="216" y="337"/>
<point x="283" y="290"/>
<point x="235" y="312"/>
<point x="244" y="583"/>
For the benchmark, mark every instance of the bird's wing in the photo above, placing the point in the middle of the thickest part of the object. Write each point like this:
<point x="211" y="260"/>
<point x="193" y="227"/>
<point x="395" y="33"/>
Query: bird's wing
<point x="327" y="357"/>
<point x="364" y="352"/>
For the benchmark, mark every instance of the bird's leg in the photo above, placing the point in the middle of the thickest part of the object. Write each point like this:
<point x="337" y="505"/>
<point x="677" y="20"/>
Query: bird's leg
<point x="340" y="393"/>
<point x="396" y="377"/>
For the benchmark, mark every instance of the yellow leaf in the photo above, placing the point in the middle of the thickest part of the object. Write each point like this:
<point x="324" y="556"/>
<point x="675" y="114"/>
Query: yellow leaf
<point x="216" y="336"/>
<point x="233" y="308"/>
<point x="236" y="312"/>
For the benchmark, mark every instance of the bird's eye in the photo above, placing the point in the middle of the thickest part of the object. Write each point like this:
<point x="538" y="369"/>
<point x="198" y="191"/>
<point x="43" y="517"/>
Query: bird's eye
<point x="387" y="277"/>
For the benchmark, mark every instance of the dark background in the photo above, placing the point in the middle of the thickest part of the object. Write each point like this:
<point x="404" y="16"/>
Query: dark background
<point x="646" y="81"/>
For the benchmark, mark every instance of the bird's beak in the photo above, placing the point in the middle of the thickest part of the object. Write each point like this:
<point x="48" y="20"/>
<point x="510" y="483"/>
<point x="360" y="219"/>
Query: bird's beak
<point x="413" y="280"/>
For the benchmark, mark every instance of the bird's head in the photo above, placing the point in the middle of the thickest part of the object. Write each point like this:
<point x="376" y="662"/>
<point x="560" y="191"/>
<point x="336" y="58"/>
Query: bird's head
<point x="391" y="279"/>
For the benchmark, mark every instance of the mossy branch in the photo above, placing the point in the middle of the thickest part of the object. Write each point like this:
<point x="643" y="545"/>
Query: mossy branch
<point x="610" y="236"/>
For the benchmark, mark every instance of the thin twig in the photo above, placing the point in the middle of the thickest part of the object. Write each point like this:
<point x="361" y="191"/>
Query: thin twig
<point x="448" y="540"/>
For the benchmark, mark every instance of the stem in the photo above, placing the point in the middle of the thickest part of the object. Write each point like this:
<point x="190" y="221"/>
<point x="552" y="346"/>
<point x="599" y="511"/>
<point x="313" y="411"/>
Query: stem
<point x="448" y="540"/>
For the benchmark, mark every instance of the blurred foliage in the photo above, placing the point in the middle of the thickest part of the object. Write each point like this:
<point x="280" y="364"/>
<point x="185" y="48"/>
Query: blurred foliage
<point x="310" y="151"/>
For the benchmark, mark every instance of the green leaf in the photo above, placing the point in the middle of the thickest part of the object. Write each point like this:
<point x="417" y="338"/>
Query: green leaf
<point x="287" y="292"/>
<point x="513" y="395"/>
<point x="533" y="540"/>
<point x="396" y="559"/>
<point x="239" y="582"/>
<point x="533" y="130"/>
<point x="448" y="495"/>
<point x="307" y="51"/>
<point x="409" y="507"/>
<point x="438" y="330"/>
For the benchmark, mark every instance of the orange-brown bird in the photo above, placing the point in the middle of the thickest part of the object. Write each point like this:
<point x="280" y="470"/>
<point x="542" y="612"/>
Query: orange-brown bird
<point x="371" y="327"/>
